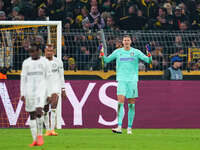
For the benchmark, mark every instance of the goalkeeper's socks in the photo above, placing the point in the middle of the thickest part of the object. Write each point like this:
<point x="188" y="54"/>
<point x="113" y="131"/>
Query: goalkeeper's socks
<point x="120" y="113"/>
<point x="40" y="125"/>
<point x="131" y="114"/>
<point x="46" y="120"/>
<point x="53" y="118"/>
<point x="33" y="127"/>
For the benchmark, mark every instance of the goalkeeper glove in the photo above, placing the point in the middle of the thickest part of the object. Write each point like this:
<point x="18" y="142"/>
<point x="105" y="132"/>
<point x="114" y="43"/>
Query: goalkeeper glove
<point x="101" y="50"/>
<point x="148" y="50"/>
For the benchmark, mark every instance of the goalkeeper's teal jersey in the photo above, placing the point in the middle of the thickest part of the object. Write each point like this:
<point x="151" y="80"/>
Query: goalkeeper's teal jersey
<point x="127" y="63"/>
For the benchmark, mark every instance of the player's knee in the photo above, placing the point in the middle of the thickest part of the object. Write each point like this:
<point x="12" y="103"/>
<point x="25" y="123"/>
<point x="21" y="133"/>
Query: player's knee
<point x="39" y="115"/>
<point x="46" y="108"/>
<point x="32" y="115"/>
<point x="54" y="105"/>
<point x="131" y="101"/>
<point x="121" y="98"/>
<point x="39" y="112"/>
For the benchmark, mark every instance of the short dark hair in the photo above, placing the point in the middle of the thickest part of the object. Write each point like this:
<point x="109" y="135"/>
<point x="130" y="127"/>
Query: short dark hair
<point x="37" y="46"/>
<point x="126" y="36"/>
<point x="50" y="45"/>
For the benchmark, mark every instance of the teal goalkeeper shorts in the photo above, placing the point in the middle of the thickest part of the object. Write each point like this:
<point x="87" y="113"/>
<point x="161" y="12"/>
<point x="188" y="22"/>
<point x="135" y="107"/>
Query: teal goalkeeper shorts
<point x="128" y="89"/>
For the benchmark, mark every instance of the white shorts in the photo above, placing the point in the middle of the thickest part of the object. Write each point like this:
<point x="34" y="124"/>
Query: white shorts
<point x="34" y="102"/>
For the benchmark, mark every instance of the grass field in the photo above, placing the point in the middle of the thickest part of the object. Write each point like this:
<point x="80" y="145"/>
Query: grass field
<point x="104" y="139"/>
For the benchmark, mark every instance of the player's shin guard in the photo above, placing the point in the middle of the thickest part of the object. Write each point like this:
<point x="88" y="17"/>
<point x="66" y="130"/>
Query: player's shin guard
<point x="53" y="118"/>
<point x="120" y="114"/>
<point x="40" y="125"/>
<point x="131" y="114"/>
<point x="33" y="127"/>
<point x="46" y="120"/>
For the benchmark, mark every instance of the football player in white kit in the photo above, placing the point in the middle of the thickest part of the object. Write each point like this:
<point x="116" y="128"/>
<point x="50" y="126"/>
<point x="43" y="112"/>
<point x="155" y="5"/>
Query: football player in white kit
<point x="57" y="89"/>
<point x="36" y="72"/>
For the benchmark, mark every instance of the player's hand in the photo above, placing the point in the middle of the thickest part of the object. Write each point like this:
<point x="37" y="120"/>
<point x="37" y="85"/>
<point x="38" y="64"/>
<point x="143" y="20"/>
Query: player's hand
<point x="148" y="50"/>
<point x="101" y="51"/>
<point x="63" y="94"/>
<point x="23" y="98"/>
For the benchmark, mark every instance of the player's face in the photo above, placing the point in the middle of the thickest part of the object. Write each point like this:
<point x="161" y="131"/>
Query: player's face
<point x="34" y="53"/>
<point x="127" y="42"/>
<point x="49" y="52"/>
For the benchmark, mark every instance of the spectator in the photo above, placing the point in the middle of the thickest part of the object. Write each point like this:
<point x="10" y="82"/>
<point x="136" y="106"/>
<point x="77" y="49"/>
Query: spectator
<point x="196" y="65"/>
<point x="183" y="26"/>
<point x="86" y="24"/>
<point x="195" y="17"/>
<point x="161" y="21"/>
<point x="121" y="8"/>
<point x="174" y="72"/>
<point x="41" y="14"/>
<point x="95" y="19"/>
<point x="110" y="24"/>
<point x="15" y="12"/>
<point x="83" y="58"/>
<point x="178" y="18"/>
<point x="2" y="8"/>
<point x="3" y="15"/>
<point x="108" y="6"/>
<point x="133" y="20"/>
<point x="168" y="6"/>
<point x="54" y="9"/>
<point x="149" y="8"/>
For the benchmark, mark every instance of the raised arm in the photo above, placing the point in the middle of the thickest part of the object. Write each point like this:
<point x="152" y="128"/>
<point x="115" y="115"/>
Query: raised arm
<point x="147" y="59"/>
<point x="110" y="57"/>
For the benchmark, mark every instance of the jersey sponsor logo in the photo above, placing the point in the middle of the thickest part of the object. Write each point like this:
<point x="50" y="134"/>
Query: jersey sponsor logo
<point x="35" y="73"/>
<point x="132" y="54"/>
<point x="54" y="65"/>
<point x="126" y="59"/>
<point x="54" y="70"/>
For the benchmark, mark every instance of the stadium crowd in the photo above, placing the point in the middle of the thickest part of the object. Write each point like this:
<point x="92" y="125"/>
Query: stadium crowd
<point x="108" y="14"/>
<point x="87" y="16"/>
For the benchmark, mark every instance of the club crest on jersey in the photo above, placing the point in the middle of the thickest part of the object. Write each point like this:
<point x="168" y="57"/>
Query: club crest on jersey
<point x="132" y="54"/>
<point x="54" y="65"/>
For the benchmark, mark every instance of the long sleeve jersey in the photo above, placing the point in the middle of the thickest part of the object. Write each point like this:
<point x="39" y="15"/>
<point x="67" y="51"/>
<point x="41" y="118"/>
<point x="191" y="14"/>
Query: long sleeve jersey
<point x="127" y="63"/>
<point x="58" y="75"/>
<point x="34" y="77"/>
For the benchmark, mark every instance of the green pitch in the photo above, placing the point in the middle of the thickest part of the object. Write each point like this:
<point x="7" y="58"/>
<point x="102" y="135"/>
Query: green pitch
<point x="104" y="139"/>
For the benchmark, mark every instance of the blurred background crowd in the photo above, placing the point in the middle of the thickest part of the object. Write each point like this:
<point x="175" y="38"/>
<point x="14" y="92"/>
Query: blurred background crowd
<point x="170" y="26"/>
<point x="108" y="14"/>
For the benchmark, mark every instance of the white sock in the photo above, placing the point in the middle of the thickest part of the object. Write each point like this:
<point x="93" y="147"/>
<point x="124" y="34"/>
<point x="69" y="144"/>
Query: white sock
<point x="33" y="127"/>
<point x="53" y="118"/>
<point x="40" y="125"/>
<point x="46" y="120"/>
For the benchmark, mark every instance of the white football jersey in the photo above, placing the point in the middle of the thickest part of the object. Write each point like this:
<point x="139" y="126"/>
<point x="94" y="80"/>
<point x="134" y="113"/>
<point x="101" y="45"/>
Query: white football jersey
<point x="57" y="75"/>
<point x="34" y="78"/>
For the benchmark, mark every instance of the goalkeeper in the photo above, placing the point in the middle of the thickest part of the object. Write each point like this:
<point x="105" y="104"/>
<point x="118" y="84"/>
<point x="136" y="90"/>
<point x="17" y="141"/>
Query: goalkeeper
<point x="127" y="60"/>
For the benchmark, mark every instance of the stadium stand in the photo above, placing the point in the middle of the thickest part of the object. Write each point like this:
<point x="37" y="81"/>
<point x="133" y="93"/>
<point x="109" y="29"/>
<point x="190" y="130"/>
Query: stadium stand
<point x="170" y="26"/>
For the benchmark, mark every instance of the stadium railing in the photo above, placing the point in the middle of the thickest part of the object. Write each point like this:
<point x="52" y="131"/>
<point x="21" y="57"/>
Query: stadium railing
<point x="80" y="49"/>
